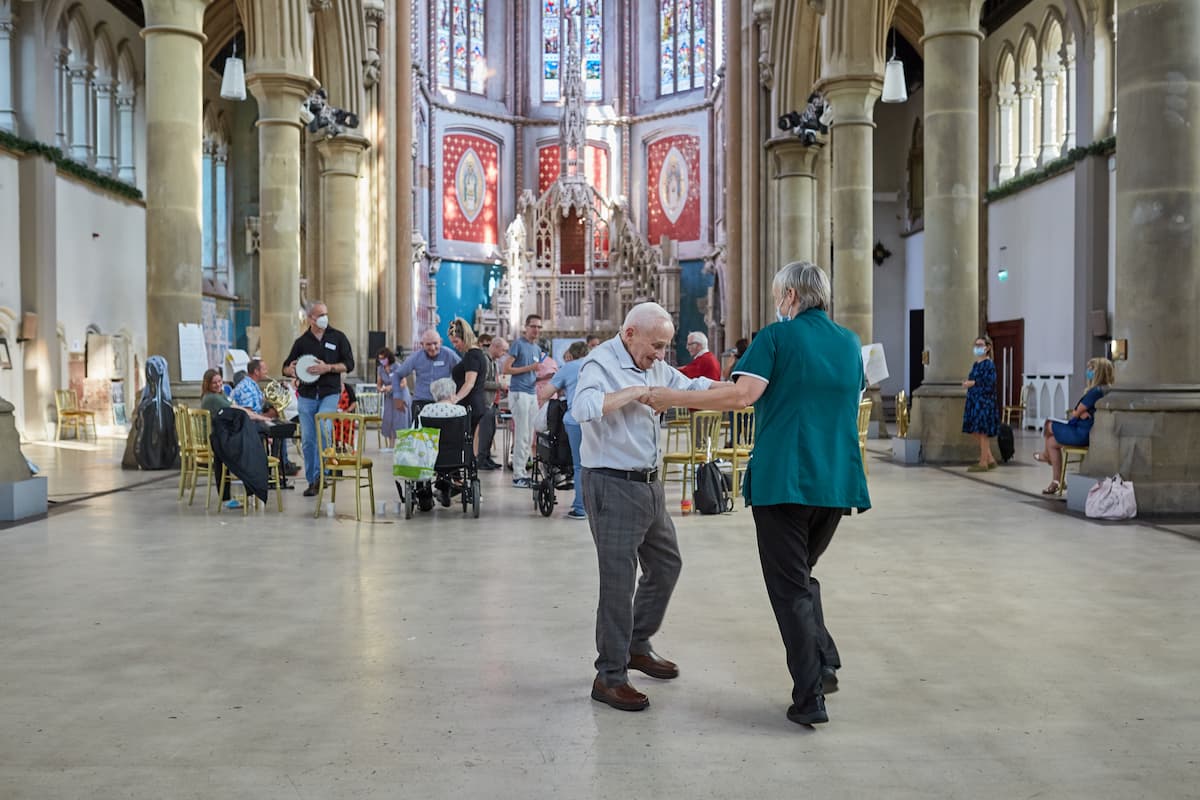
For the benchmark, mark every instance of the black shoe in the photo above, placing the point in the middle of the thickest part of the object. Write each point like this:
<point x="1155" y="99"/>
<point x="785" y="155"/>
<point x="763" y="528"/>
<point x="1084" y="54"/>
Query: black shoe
<point x="829" y="680"/>
<point x="291" y="470"/>
<point x="311" y="491"/>
<point x="565" y="486"/>
<point x="811" y="713"/>
<point x="489" y="465"/>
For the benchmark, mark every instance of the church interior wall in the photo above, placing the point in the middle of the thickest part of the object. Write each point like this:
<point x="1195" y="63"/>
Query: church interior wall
<point x="1112" y="237"/>
<point x="890" y="320"/>
<point x="10" y="233"/>
<point x="914" y="300"/>
<point x="101" y="247"/>
<point x="1031" y="238"/>
<point x="696" y="240"/>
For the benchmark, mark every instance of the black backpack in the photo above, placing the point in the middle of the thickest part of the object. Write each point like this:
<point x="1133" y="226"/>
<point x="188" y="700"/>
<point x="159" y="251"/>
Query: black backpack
<point x="1004" y="439"/>
<point x="711" y="493"/>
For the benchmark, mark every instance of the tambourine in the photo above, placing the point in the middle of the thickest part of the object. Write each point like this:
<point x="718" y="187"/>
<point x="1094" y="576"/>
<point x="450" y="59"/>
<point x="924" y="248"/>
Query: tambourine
<point x="302" y="365"/>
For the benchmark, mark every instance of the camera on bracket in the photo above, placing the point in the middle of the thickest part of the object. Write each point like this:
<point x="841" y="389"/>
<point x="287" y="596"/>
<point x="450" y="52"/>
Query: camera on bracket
<point x="317" y="114"/>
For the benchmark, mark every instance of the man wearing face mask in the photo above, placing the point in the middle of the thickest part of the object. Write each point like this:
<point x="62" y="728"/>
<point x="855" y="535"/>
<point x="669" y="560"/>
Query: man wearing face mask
<point x="331" y="348"/>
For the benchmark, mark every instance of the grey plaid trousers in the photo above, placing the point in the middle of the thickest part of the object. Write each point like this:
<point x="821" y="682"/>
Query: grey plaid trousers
<point x="630" y="526"/>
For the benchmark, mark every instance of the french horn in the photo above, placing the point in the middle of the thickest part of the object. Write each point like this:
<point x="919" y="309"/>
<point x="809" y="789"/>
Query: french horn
<point x="278" y="395"/>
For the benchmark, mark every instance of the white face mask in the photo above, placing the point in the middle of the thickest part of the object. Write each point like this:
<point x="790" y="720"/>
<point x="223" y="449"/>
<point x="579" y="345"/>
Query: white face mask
<point x="323" y="321"/>
<point x="780" y="315"/>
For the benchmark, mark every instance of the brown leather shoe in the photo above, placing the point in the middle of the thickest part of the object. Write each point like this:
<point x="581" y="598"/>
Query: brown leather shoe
<point x="654" y="665"/>
<point x="623" y="697"/>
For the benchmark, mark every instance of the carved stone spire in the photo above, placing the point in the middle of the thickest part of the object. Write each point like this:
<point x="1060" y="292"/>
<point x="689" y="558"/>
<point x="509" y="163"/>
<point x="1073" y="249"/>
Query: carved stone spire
<point x="572" y="126"/>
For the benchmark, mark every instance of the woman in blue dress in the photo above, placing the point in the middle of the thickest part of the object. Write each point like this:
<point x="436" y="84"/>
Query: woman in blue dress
<point x="1076" y="431"/>
<point x="981" y="417"/>
<point x="395" y="398"/>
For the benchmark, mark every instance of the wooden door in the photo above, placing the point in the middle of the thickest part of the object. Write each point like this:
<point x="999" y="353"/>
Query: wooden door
<point x="1008" y="351"/>
<point x="916" y="345"/>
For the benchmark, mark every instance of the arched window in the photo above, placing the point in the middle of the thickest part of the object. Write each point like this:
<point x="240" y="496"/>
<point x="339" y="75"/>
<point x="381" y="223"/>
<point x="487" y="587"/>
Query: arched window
<point x="126" y="103"/>
<point x="1007" y="122"/>
<point x="683" y="45"/>
<point x="563" y="18"/>
<point x="104" y="89"/>
<point x="214" y="205"/>
<point x="1053" y="89"/>
<point x="80" y="72"/>
<point x="461" y="49"/>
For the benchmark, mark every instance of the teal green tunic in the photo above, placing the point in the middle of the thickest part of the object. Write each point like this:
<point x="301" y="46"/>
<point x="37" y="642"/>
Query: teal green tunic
<point x="806" y="421"/>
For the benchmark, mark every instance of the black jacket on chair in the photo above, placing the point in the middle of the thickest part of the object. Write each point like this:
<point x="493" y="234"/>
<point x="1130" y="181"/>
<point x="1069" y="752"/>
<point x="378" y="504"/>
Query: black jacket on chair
<point x="236" y="442"/>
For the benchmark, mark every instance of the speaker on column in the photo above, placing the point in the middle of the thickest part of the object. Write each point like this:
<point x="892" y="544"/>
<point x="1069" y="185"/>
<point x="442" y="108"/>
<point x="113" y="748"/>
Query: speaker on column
<point x="376" y="341"/>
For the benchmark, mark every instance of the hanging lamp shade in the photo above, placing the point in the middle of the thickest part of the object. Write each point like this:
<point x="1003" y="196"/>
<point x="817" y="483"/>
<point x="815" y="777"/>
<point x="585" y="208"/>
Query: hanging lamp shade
<point x="894" y="88"/>
<point x="233" y="82"/>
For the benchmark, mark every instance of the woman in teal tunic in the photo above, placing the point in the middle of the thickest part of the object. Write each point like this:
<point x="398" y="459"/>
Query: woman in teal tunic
<point x="804" y="376"/>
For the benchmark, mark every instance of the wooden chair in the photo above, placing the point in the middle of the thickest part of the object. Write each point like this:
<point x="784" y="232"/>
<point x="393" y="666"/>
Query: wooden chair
<point x="340" y="442"/>
<point x="902" y="415"/>
<point x="1018" y="411"/>
<point x="182" y="429"/>
<point x="702" y="435"/>
<point x="741" y="444"/>
<point x="200" y="453"/>
<point x="70" y="414"/>
<point x="864" y="427"/>
<point x="370" y="406"/>
<point x="1069" y="453"/>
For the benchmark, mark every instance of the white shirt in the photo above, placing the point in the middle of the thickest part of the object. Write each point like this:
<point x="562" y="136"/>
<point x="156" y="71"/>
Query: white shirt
<point x="628" y="437"/>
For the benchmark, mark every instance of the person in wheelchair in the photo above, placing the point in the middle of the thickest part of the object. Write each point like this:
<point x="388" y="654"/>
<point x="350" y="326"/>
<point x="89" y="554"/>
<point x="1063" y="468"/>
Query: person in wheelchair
<point x="456" y="461"/>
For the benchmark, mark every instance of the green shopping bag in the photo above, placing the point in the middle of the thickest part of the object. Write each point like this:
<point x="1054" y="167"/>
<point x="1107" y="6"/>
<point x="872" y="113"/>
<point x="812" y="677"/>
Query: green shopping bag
<point x="416" y="453"/>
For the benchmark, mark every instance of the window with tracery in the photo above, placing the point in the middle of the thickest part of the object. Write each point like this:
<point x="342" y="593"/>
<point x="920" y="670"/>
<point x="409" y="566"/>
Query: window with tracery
<point x="683" y="45"/>
<point x="460" y="48"/>
<point x="214" y="209"/>
<point x="564" y="18"/>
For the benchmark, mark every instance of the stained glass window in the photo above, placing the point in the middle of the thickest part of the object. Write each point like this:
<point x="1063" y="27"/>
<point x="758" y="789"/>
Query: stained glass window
<point x="683" y="45"/>
<point x="581" y="18"/>
<point x="460" y="47"/>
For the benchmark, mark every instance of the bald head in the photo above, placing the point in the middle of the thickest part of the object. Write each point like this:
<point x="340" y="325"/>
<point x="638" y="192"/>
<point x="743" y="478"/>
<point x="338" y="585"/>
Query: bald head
<point x="646" y="333"/>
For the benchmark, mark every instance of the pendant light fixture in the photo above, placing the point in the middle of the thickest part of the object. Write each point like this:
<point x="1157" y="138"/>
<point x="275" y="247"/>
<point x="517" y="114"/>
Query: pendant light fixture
<point x="895" y="90"/>
<point x="233" y="82"/>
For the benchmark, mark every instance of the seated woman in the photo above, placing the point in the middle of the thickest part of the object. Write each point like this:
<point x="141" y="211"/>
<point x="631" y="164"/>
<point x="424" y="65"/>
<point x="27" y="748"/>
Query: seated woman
<point x="1077" y="429"/>
<point x="443" y="407"/>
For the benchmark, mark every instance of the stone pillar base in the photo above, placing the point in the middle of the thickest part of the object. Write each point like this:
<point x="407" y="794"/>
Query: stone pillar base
<point x="1151" y="436"/>
<point x="937" y="415"/>
<point x="23" y="499"/>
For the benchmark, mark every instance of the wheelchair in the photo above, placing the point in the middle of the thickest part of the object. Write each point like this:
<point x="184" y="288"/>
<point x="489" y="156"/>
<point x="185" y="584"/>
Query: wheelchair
<point x="552" y="461"/>
<point x="455" y="468"/>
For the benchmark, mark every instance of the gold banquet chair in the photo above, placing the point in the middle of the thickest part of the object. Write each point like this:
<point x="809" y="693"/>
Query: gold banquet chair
<point x="71" y="415"/>
<point x="703" y="431"/>
<point x="741" y="444"/>
<point x="182" y="431"/>
<point x="340" y="442"/>
<point x="864" y="428"/>
<point x="200" y="454"/>
<point x="370" y="406"/>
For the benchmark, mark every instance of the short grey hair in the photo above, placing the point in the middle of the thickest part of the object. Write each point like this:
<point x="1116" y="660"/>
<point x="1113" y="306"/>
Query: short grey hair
<point x="699" y="338"/>
<point x="645" y="314"/>
<point x="308" y="309"/>
<point x="442" y="389"/>
<point x="808" y="281"/>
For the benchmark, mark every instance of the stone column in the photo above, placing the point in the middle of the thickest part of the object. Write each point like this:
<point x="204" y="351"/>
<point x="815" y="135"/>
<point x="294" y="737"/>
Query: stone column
<point x="1148" y="427"/>
<point x="1025" y="157"/>
<point x="1050" y="147"/>
<point x="1004" y="165"/>
<point x="126" y="170"/>
<point x="174" y="130"/>
<point x="1069" y="68"/>
<point x="279" y="96"/>
<point x="406" y="321"/>
<point x="732" y="275"/>
<point x="824" y="243"/>
<point x="795" y="167"/>
<point x="345" y="292"/>
<point x="951" y="43"/>
<point x="8" y="115"/>
<point x="853" y="132"/>
<point x="81" y="145"/>
<point x="106" y="160"/>
<point x="61" y="117"/>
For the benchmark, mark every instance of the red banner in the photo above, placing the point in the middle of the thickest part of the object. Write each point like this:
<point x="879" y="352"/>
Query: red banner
<point x="673" y="189"/>
<point x="470" y="180"/>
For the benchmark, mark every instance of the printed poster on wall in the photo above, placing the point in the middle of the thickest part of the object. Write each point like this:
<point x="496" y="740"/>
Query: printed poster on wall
<point x="673" y="189"/>
<point x="470" y="178"/>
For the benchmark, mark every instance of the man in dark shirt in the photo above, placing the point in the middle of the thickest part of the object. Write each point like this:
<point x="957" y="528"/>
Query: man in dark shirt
<point x="331" y="348"/>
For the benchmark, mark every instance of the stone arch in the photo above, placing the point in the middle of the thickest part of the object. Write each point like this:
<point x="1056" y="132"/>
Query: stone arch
<point x="105" y="55"/>
<point x="1051" y="37"/>
<point x="222" y="23"/>
<point x="1027" y="51"/>
<point x="79" y="38"/>
<point x="127" y="75"/>
<point x="339" y="51"/>
<point x="1006" y="68"/>
<point x="796" y="47"/>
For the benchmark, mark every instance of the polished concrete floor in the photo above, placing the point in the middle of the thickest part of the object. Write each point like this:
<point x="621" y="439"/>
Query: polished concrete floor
<point x="993" y="646"/>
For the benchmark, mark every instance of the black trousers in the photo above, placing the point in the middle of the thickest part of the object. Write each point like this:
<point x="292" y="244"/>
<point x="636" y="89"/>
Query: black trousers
<point x="487" y="433"/>
<point x="791" y="538"/>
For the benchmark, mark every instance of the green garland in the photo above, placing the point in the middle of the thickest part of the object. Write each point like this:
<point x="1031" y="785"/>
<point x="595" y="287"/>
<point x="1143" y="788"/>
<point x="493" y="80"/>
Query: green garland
<point x="1058" y="166"/>
<point x="73" y="168"/>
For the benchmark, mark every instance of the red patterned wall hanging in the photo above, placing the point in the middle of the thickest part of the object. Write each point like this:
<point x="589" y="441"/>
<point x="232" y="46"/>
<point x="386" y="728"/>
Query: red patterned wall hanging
<point x="470" y="180"/>
<point x="595" y="162"/>
<point x="673" y="189"/>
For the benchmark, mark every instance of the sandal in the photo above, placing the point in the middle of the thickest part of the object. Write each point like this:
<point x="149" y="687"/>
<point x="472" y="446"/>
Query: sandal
<point x="1040" y="457"/>
<point x="1052" y="488"/>
<point x="977" y="468"/>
